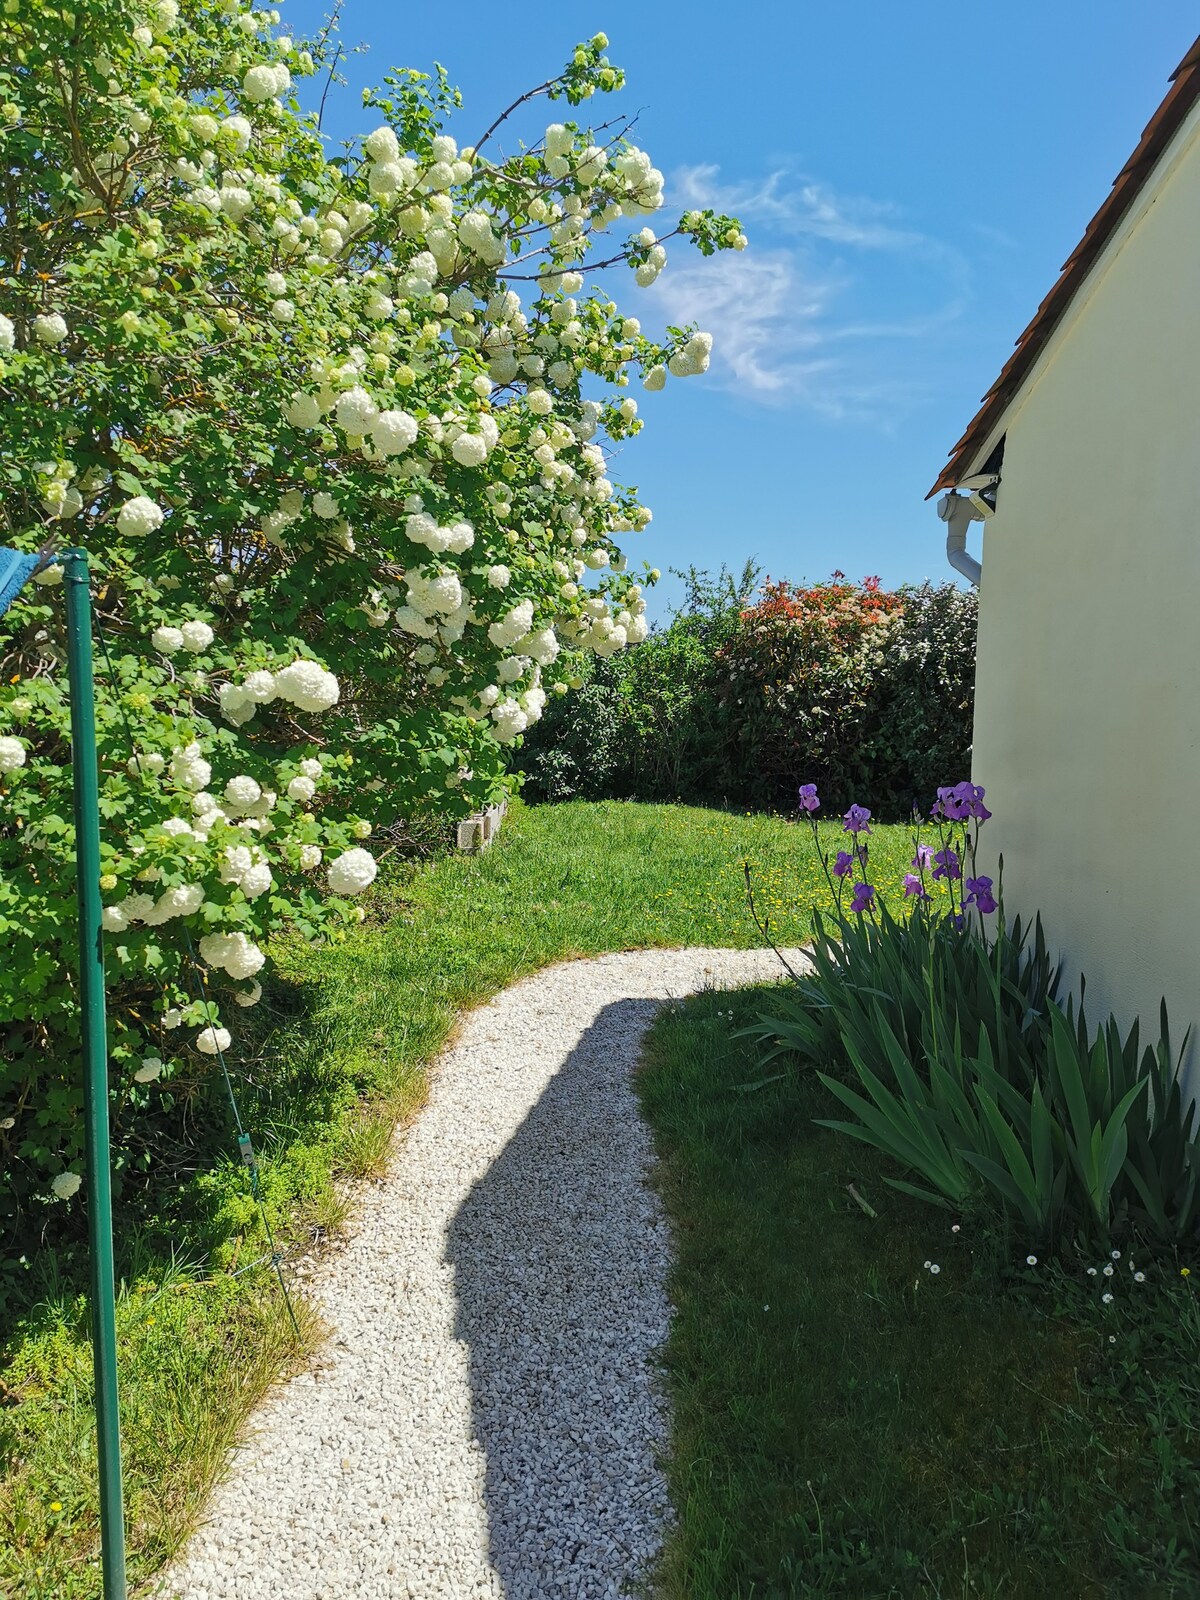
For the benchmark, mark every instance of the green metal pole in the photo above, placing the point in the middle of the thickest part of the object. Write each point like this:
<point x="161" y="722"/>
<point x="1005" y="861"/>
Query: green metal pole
<point x="95" y="1058"/>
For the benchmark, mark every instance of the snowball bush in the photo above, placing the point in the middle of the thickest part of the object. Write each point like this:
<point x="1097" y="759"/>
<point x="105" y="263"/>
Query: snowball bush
<point x="335" y="434"/>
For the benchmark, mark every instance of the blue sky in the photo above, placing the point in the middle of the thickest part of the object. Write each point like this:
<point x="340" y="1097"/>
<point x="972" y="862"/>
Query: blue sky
<point x="911" y="179"/>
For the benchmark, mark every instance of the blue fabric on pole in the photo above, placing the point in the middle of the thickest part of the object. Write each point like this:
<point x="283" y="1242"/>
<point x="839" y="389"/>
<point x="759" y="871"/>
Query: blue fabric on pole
<point x="15" y="568"/>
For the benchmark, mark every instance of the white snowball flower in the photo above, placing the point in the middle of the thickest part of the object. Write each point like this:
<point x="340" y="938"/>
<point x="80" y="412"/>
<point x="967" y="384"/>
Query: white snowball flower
<point x="540" y="402"/>
<point x="356" y="411"/>
<point x="282" y="311"/>
<point x="235" y="201"/>
<point x="238" y="131"/>
<point x="150" y="762"/>
<point x="189" y="768"/>
<point x="65" y="1185"/>
<point x="325" y="506"/>
<point x="150" y="1070"/>
<point x="259" y="84"/>
<point x="393" y="432"/>
<point x="379" y="306"/>
<point x="8" y="336"/>
<point x="301" y="789"/>
<point x="543" y="647"/>
<point x="352" y="872"/>
<point x="113" y="919"/>
<point x="260" y="687"/>
<point x="211" y="1041"/>
<point x="197" y="636"/>
<point x="310" y="767"/>
<point x="241" y="792"/>
<point x="250" y="996"/>
<point x="50" y="329"/>
<point x="361" y="829"/>
<point x="469" y="450"/>
<point x="184" y="900"/>
<point x="139" y="516"/>
<point x="655" y="379"/>
<point x="307" y="686"/>
<point x="559" y="140"/>
<point x="310" y="857"/>
<point x="513" y="626"/>
<point x="693" y="358"/>
<point x="303" y="411"/>
<point x="12" y="753"/>
<point x="257" y="880"/>
<point x="382" y="145"/>
<point x="499" y="577"/>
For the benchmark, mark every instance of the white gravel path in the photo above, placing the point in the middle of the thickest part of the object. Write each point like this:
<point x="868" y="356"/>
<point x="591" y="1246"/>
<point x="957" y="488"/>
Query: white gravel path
<point x="485" y="1419"/>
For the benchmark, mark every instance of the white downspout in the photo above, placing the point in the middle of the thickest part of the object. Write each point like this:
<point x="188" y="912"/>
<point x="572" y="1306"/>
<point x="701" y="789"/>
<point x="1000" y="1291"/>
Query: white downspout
<point x="958" y="513"/>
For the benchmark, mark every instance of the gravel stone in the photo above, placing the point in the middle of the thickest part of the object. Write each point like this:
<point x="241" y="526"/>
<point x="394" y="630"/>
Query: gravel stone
<point x="485" y="1419"/>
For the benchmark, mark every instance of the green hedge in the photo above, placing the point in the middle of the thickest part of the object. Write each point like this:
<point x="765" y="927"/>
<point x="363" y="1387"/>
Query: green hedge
<point x="849" y="686"/>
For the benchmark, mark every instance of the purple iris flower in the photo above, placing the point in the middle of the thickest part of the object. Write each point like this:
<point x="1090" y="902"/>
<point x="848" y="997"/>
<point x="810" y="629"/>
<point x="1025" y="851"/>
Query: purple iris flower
<point x="844" y="865"/>
<point x="864" y="897"/>
<point x="923" y="859"/>
<point x="948" y="865"/>
<point x="857" y="820"/>
<point x="959" y="801"/>
<point x="808" y="797"/>
<point x="914" y="887"/>
<point x="979" y="894"/>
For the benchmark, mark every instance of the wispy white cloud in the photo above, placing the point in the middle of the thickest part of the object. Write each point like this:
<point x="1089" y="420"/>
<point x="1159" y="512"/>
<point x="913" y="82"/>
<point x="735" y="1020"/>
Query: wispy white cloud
<point x="793" y="316"/>
<point x="797" y="205"/>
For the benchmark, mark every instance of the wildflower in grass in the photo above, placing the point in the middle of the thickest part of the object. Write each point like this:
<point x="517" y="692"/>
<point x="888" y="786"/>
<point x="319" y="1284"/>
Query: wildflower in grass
<point x="844" y="865"/>
<point x="1139" y="1277"/>
<point x="1108" y="1271"/>
<point x="1091" y="1272"/>
<point x="1116" y="1255"/>
<point x="1031" y="1261"/>
<point x="1107" y="1299"/>
<point x="864" y="897"/>
<point x="935" y="1269"/>
<point x="857" y="820"/>
<point x="1185" y="1272"/>
<point x="979" y="894"/>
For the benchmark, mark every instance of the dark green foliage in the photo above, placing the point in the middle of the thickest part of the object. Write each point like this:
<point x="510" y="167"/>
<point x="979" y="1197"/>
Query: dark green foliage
<point x="850" y="1424"/>
<point x="953" y="1057"/>
<point x="648" y="723"/>
<point x="848" y="686"/>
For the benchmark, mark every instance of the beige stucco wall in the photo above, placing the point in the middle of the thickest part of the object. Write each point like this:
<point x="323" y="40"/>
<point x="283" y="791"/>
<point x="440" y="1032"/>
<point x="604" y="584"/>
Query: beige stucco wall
<point x="1087" y="720"/>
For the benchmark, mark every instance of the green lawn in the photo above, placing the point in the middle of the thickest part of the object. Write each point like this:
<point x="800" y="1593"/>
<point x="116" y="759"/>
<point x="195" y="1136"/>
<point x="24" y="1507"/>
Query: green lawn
<point x="345" y="1036"/>
<point x="849" y="1423"/>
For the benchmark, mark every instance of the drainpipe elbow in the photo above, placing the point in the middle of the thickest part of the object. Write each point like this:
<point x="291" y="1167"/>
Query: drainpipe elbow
<point x="957" y="512"/>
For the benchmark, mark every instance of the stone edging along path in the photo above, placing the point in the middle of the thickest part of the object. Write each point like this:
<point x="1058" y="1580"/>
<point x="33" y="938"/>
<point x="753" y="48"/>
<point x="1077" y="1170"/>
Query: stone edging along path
<point x="484" y="1420"/>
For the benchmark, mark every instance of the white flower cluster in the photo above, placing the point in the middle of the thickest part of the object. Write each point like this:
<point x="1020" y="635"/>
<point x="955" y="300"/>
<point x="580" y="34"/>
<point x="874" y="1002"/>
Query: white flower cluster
<point x="232" y="953"/>
<point x="184" y="900"/>
<point x="352" y="872"/>
<point x="139" y="516"/>
<point x="12" y="753"/>
<point x="195" y="636"/>
<point x="247" y="869"/>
